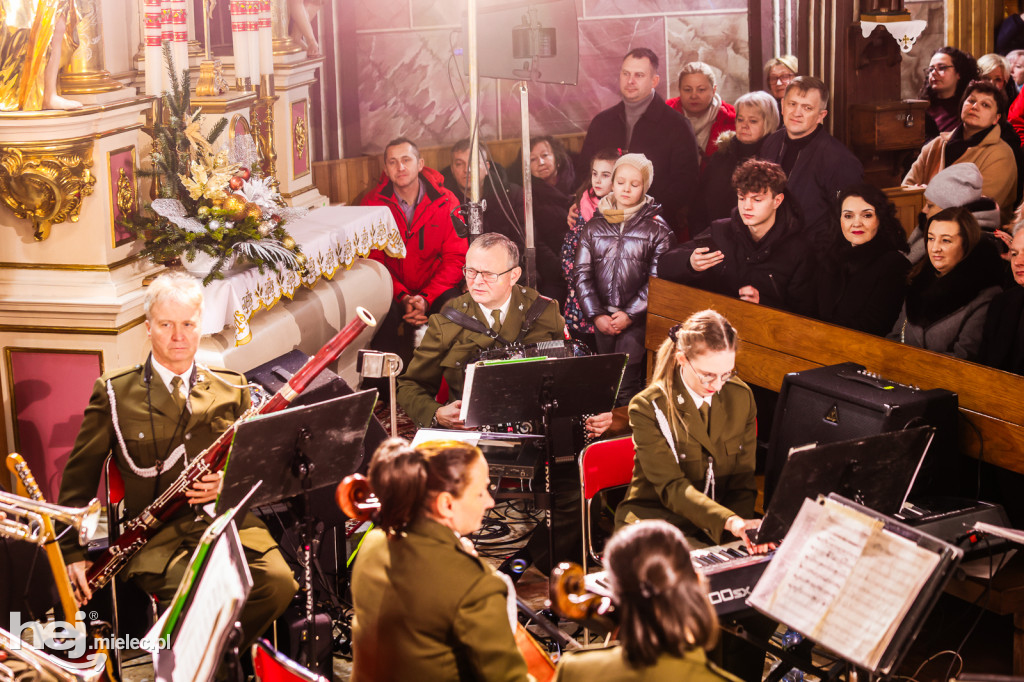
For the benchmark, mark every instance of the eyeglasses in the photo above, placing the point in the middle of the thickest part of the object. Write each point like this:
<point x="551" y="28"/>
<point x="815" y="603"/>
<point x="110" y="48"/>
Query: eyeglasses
<point x="489" y="277"/>
<point x="782" y="78"/>
<point x="941" y="68"/>
<point x="706" y="379"/>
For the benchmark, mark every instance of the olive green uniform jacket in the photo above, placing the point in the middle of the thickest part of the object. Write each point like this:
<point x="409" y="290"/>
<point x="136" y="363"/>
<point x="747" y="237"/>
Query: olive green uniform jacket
<point x="447" y="348"/>
<point x="670" y="489"/>
<point x="215" y="407"/>
<point x="425" y="609"/>
<point x="609" y="665"/>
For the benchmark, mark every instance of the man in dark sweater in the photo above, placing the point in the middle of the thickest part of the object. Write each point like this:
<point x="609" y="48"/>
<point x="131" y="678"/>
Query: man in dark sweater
<point x="642" y="123"/>
<point x="757" y="255"/>
<point x="818" y="165"/>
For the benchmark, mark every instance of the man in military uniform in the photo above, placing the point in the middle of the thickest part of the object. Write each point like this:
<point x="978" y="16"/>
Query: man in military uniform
<point x="492" y="273"/>
<point x="154" y="418"/>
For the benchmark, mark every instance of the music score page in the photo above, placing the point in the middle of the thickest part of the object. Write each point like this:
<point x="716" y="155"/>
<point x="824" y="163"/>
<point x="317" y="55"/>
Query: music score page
<point x="844" y="581"/>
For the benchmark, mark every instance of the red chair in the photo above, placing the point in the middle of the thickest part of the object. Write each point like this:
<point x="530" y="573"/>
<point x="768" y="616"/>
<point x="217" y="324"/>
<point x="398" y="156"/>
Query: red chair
<point x="270" y="665"/>
<point x="603" y="465"/>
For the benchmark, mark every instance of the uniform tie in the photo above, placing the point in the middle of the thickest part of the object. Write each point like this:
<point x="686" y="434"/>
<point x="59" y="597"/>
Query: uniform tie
<point x="178" y="394"/>
<point x="705" y="412"/>
<point x="496" y="314"/>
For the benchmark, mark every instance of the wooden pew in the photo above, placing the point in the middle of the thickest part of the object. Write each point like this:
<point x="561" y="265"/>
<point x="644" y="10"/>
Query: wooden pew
<point x="773" y="343"/>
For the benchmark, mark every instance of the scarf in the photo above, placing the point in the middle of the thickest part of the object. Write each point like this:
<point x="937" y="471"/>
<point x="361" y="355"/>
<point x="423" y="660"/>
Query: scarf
<point x="702" y="124"/>
<point x="588" y="204"/>
<point x="615" y="215"/>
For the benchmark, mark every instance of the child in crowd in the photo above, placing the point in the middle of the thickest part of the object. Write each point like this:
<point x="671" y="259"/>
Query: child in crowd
<point x="618" y="251"/>
<point x="587" y="196"/>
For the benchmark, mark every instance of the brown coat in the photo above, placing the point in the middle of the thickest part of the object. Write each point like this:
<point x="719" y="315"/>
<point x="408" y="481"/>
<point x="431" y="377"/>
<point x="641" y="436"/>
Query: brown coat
<point x="992" y="156"/>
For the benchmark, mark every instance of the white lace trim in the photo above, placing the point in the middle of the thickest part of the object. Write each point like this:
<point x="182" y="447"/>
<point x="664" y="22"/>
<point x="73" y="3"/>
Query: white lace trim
<point x="144" y="472"/>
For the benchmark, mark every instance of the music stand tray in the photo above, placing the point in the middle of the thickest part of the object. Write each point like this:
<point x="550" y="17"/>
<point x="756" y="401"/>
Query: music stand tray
<point x="876" y="471"/>
<point x="329" y="433"/>
<point x="518" y="391"/>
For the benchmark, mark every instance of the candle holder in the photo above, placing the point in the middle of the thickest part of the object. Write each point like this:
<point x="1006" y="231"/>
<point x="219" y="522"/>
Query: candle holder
<point x="211" y="79"/>
<point x="263" y="124"/>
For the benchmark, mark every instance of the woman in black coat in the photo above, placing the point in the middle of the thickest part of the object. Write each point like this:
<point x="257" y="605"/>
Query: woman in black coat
<point x="1002" y="340"/>
<point x="862" y="278"/>
<point x="757" y="117"/>
<point x="553" y="184"/>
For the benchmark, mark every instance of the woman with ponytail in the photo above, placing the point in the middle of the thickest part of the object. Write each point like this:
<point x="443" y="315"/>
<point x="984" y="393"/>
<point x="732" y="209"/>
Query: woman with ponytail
<point x="426" y="606"/>
<point x="666" y="621"/>
<point x="694" y="429"/>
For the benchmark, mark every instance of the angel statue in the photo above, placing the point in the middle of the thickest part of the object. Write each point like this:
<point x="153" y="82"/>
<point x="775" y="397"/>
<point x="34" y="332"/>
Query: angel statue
<point x="302" y="13"/>
<point x="37" y="37"/>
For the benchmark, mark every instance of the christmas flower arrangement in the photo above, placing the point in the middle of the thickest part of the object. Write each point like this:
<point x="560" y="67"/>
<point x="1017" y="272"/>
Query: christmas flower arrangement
<point x="211" y="202"/>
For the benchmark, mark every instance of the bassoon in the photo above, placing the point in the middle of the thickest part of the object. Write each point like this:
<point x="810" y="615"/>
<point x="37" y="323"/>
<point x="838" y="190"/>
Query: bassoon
<point x="143" y="527"/>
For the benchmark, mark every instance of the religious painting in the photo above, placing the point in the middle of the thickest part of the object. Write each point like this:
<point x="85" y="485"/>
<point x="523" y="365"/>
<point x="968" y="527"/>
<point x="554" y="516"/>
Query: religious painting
<point x="124" y="193"/>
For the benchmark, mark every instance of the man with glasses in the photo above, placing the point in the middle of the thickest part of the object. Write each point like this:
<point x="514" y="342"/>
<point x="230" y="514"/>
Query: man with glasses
<point x="495" y="311"/>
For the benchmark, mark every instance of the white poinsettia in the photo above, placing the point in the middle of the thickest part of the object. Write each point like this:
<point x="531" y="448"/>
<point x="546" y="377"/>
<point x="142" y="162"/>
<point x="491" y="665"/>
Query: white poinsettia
<point x="260" y="192"/>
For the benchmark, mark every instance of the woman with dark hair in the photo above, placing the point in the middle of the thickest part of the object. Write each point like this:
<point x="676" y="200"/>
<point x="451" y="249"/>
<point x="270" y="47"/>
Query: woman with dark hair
<point x="666" y="620"/>
<point x="949" y="294"/>
<point x="978" y="140"/>
<point x="426" y="606"/>
<point x="1002" y="340"/>
<point x="554" y="182"/>
<point x="862" y="278"/>
<point x="946" y="78"/>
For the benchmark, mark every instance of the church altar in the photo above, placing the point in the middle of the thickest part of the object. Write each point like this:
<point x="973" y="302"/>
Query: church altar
<point x="332" y="238"/>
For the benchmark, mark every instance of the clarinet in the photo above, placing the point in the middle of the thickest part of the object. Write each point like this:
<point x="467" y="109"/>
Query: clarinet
<point x="143" y="527"/>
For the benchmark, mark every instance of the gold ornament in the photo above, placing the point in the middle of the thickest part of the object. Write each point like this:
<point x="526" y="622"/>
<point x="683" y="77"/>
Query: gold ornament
<point x="300" y="258"/>
<point x="234" y="205"/>
<point x="46" y="183"/>
<point x="253" y="211"/>
<point x="289" y="243"/>
<point x="203" y="211"/>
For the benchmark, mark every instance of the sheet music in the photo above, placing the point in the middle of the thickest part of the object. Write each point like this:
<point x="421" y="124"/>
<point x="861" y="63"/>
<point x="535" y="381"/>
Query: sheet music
<point x="844" y="581"/>
<point x="424" y="435"/>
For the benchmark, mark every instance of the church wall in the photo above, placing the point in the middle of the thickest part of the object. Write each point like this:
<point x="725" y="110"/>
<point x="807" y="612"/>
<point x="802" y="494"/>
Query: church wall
<point x="403" y="48"/>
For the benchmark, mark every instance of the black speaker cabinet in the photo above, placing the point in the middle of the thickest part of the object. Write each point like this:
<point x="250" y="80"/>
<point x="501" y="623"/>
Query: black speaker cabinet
<point x="843" y="402"/>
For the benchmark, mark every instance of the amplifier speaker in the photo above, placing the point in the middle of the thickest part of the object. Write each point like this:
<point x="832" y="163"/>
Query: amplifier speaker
<point x="844" y="402"/>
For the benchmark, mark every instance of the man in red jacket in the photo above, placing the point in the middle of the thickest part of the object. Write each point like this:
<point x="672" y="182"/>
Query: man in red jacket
<point x="435" y="245"/>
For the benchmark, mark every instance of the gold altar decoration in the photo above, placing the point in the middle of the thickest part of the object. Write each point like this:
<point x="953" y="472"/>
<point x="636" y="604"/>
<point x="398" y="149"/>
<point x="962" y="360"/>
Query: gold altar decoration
<point x="46" y="183"/>
<point x="262" y="117"/>
<point x="211" y="79"/>
<point x="86" y="73"/>
<point x="25" y="39"/>
<point x="299" y="134"/>
<point x="279" y="24"/>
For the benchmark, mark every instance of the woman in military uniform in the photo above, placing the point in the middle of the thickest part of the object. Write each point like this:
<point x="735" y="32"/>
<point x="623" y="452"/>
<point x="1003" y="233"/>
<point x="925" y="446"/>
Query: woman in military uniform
<point x="665" y="619"/>
<point x="426" y="606"/>
<point x="694" y="428"/>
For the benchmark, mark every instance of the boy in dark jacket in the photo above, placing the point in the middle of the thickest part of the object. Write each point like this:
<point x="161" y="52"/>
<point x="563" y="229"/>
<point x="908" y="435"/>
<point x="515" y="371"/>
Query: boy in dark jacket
<point x="760" y="254"/>
<point x="618" y="251"/>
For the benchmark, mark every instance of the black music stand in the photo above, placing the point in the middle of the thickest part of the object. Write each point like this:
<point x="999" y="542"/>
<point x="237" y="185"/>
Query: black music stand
<point x="877" y="472"/>
<point x="285" y="449"/>
<point x="541" y="389"/>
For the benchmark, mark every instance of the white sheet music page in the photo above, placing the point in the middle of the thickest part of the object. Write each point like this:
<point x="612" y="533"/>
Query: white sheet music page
<point x="842" y="580"/>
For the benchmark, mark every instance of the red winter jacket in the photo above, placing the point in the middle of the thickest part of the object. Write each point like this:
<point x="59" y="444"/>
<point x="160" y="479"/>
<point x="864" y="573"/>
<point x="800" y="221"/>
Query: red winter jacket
<point x="724" y="120"/>
<point x="435" y="253"/>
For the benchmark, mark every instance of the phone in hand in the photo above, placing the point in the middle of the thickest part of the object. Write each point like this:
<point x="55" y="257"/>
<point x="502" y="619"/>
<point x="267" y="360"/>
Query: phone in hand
<point x="706" y="242"/>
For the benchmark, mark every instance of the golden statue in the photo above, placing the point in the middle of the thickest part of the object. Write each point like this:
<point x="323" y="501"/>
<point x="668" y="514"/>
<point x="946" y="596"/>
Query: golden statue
<point x="37" y="37"/>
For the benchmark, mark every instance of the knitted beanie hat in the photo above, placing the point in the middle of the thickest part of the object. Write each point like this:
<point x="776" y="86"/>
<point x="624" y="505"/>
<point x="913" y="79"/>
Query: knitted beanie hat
<point x="641" y="163"/>
<point x="958" y="185"/>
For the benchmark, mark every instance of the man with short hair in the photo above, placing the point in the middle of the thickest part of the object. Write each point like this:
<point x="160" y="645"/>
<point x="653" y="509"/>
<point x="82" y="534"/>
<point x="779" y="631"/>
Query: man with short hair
<point x="759" y="254"/>
<point x="642" y="123"/>
<point x="818" y="165"/>
<point x="452" y="342"/>
<point x="435" y="246"/>
<point x="153" y="419"/>
<point x="504" y="200"/>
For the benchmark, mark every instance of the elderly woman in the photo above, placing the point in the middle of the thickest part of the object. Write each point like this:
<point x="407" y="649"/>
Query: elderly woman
<point x="700" y="103"/>
<point x="757" y="117"/>
<point x="946" y="79"/>
<point x="554" y="182"/>
<point x="778" y="73"/>
<point x="863" y="276"/>
<point x="949" y="294"/>
<point x="1002" y="340"/>
<point x="976" y="140"/>
<point x="995" y="68"/>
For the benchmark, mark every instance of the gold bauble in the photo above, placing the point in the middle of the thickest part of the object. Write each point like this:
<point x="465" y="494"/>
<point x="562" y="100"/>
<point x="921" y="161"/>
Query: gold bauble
<point x="235" y="207"/>
<point x="289" y="243"/>
<point x="300" y="258"/>
<point x="253" y="211"/>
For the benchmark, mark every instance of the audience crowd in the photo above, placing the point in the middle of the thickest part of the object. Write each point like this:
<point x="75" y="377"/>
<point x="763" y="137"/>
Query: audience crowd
<point x="752" y="199"/>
